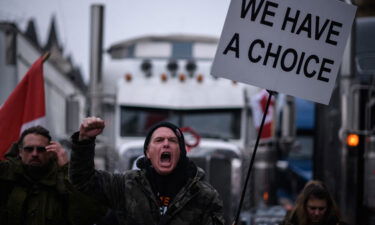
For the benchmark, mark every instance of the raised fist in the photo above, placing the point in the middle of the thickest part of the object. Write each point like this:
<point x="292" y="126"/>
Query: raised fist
<point x="90" y="128"/>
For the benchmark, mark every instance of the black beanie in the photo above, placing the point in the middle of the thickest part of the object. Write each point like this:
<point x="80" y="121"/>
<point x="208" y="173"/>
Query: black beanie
<point x="176" y="131"/>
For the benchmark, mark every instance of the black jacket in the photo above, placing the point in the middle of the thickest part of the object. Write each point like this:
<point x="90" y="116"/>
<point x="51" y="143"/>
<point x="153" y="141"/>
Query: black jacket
<point x="50" y="200"/>
<point x="131" y="195"/>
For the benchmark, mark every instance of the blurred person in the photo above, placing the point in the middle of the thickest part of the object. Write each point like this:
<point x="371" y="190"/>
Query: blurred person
<point x="168" y="188"/>
<point x="314" y="205"/>
<point x="34" y="184"/>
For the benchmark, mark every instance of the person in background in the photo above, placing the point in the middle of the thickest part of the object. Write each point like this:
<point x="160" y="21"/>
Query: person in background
<point x="314" y="205"/>
<point x="35" y="188"/>
<point x="168" y="188"/>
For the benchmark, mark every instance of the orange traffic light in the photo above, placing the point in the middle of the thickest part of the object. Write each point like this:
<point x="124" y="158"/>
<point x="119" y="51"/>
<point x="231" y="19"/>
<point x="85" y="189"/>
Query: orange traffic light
<point x="352" y="140"/>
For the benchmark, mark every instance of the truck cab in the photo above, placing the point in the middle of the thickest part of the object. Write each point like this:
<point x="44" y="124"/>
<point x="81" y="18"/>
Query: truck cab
<point x="167" y="78"/>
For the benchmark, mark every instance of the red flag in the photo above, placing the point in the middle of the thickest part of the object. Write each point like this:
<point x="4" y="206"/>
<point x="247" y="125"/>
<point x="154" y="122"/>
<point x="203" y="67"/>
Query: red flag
<point x="25" y="107"/>
<point x="258" y="104"/>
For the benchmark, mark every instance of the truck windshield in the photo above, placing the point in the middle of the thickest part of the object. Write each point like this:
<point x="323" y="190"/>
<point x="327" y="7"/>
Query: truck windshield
<point x="209" y="123"/>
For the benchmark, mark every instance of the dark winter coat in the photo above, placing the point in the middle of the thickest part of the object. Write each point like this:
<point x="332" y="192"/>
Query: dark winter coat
<point x="50" y="200"/>
<point x="131" y="196"/>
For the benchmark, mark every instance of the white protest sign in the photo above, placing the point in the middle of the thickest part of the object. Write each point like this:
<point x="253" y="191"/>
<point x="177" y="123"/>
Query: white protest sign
<point x="289" y="46"/>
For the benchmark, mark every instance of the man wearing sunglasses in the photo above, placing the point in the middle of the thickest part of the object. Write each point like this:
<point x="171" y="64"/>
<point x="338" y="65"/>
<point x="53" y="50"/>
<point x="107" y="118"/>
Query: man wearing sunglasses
<point x="35" y="188"/>
<point x="36" y="150"/>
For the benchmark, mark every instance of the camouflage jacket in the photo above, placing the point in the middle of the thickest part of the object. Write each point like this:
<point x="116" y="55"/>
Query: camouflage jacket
<point x="131" y="196"/>
<point x="50" y="200"/>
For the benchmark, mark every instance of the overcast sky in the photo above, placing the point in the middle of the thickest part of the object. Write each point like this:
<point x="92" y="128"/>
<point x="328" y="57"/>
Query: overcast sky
<point x="123" y="19"/>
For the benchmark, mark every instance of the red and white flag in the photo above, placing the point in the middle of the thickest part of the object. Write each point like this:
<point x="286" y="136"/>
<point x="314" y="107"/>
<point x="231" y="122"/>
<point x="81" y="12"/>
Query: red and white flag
<point x="258" y="104"/>
<point x="25" y="107"/>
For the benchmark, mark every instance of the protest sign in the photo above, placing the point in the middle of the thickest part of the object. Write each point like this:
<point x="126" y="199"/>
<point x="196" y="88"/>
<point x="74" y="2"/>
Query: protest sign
<point x="289" y="46"/>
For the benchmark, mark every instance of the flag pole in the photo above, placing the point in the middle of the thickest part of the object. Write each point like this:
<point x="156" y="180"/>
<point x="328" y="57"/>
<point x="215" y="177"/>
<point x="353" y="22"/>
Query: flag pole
<point x="253" y="157"/>
<point x="46" y="56"/>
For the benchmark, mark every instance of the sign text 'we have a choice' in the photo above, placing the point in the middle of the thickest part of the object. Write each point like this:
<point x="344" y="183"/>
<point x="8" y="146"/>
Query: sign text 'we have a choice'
<point x="290" y="46"/>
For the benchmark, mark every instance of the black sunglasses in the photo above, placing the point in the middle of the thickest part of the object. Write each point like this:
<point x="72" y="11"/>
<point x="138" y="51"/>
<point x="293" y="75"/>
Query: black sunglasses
<point x="30" y="149"/>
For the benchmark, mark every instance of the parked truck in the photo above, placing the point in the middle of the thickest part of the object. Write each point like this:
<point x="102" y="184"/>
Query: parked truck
<point x="166" y="78"/>
<point x="349" y="138"/>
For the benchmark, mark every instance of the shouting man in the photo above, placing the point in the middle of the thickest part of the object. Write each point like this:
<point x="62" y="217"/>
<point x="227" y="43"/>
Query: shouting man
<point x="168" y="188"/>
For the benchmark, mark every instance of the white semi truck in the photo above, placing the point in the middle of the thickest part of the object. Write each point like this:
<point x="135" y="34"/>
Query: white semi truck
<point x="166" y="78"/>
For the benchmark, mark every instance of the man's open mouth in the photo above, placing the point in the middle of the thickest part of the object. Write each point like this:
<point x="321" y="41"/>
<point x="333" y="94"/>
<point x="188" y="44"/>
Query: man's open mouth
<point x="165" y="157"/>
